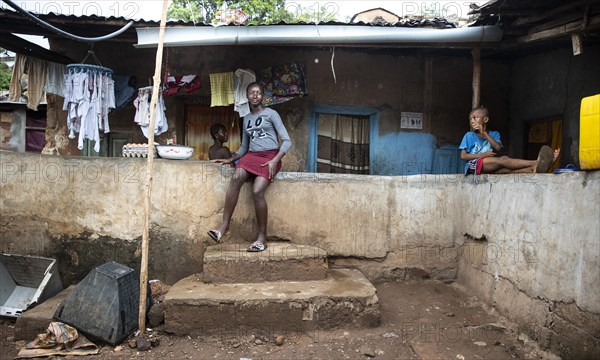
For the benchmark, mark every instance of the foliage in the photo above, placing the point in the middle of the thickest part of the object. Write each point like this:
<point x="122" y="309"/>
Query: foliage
<point x="194" y="10"/>
<point x="5" y="74"/>
<point x="258" y="11"/>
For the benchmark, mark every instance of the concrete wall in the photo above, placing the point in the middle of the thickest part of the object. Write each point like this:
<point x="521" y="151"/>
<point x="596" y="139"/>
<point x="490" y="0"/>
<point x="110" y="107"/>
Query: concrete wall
<point x="539" y="265"/>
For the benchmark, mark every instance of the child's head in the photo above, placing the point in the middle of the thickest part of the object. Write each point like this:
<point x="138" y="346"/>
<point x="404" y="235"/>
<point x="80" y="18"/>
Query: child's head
<point x="219" y="132"/>
<point x="253" y="85"/>
<point x="479" y="116"/>
<point x="254" y="93"/>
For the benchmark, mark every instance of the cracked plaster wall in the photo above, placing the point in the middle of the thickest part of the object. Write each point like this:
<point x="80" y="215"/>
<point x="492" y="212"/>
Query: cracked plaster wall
<point x="541" y="257"/>
<point x="540" y="263"/>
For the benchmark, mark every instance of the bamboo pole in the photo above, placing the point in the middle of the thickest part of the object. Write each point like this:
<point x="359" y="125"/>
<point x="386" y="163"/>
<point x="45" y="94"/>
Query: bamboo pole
<point x="476" y="77"/>
<point x="148" y="184"/>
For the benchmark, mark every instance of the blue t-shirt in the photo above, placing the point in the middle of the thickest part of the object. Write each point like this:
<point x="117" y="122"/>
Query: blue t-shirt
<point x="473" y="144"/>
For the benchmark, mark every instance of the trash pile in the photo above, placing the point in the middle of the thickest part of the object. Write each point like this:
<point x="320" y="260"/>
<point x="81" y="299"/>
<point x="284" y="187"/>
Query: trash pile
<point x="59" y="340"/>
<point x="104" y="306"/>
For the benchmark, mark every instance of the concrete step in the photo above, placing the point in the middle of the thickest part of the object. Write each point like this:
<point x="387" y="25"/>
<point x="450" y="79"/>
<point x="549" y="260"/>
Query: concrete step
<point x="36" y="320"/>
<point x="345" y="299"/>
<point x="231" y="263"/>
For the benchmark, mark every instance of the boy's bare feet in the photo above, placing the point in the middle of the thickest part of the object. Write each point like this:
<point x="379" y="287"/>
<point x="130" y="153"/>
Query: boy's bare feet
<point x="546" y="157"/>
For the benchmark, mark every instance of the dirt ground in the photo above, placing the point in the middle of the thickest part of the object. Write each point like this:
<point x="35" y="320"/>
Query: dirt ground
<point x="419" y="320"/>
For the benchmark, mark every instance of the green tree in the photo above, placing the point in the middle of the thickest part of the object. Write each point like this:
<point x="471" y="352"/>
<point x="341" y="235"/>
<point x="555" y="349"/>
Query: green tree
<point x="258" y="11"/>
<point x="310" y="14"/>
<point x="194" y="10"/>
<point x="5" y="74"/>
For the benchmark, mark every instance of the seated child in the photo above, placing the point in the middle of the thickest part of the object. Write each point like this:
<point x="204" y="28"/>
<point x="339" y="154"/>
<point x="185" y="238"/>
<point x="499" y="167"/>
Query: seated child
<point x="480" y="146"/>
<point x="220" y="136"/>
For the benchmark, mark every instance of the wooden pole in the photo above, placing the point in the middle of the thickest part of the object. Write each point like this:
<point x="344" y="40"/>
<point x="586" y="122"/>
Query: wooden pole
<point x="476" y="77"/>
<point x="148" y="184"/>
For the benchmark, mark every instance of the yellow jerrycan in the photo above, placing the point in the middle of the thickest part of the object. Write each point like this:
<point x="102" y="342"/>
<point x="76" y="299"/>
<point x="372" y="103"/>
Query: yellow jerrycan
<point x="589" y="133"/>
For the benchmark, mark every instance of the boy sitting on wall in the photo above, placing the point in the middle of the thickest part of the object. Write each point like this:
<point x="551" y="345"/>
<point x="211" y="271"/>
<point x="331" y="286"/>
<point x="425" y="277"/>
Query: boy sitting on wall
<point x="480" y="146"/>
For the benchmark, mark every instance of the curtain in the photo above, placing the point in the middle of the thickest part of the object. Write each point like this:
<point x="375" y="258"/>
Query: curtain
<point x="343" y="144"/>
<point x="199" y="119"/>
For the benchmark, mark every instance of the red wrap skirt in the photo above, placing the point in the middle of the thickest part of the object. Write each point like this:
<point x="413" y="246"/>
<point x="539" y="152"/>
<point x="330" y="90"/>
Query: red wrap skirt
<point x="252" y="162"/>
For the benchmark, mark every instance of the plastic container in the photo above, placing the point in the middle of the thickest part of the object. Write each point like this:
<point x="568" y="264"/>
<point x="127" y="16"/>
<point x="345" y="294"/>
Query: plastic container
<point x="589" y="133"/>
<point x="175" y="152"/>
<point x="104" y="305"/>
<point x="26" y="281"/>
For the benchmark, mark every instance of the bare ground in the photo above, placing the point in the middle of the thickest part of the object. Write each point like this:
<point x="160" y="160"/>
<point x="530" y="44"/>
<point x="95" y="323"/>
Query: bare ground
<point x="419" y="320"/>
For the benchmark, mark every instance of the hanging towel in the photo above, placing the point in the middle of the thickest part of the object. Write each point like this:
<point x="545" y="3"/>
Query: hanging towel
<point x="36" y="79"/>
<point x="55" y="79"/>
<point x="243" y="78"/>
<point x="15" y="90"/>
<point x="221" y="89"/>
<point x="36" y="70"/>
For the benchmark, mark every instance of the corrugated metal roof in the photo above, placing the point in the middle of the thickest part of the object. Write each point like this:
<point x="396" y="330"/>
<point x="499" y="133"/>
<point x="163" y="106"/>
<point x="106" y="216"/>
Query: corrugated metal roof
<point x="13" y="18"/>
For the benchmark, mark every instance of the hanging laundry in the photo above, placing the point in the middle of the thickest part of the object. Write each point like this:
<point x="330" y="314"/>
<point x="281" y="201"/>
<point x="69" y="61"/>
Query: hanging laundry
<point x="143" y="112"/>
<point x="55" y="79"/>
<point x="172" y="84"/>
<point x="36" y="71"/>
<point x="190" y="83"/>
<point x="283" y="83"/>
<point x="243" y="78"/>
<point x="15" y="91"/>
<point x="221" y="89"/>
<point x="125" y="86"/>
<point x="89" y="96"/>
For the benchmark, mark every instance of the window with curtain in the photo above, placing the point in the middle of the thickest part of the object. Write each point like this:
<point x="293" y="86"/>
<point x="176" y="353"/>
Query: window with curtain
<point x="199" y="119"/>
<point x="343" y="144"/>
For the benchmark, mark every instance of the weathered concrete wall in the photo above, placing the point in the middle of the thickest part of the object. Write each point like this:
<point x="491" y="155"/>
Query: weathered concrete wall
<point x="539" y="265"/>
<point x="66" y="203"/>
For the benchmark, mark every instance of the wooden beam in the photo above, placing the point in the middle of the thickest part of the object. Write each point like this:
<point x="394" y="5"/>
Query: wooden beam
<point x="476" y="78"/>
<point x="556" y="22"/>
<point x="576" y="41"/>
<point x="549" y="13"/>
<point x="24" y="47"/>
<point x="562" y="30"/>
<point x="149" y="167"/>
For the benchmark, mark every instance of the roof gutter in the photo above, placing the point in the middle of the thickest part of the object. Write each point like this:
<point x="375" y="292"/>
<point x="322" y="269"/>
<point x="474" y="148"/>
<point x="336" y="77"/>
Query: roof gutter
<point x="313" y="35"/>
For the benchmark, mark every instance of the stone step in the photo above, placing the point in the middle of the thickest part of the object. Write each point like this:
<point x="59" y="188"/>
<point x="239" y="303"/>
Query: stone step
<point x="345" y="299"/>
<point x="231" y="263"/>
<point x="36" y="320"/>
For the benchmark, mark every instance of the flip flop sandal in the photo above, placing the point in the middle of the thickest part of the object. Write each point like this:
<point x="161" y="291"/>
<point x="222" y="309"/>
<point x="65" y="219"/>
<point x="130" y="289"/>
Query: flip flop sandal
<point x="257" y="247"/>
<point x="544" y="160"/>
<point x="215" y="235"/>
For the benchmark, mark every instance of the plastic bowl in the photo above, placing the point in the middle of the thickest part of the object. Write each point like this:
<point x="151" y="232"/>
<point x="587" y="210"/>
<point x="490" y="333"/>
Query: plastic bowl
<point x="175" y="152"/>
